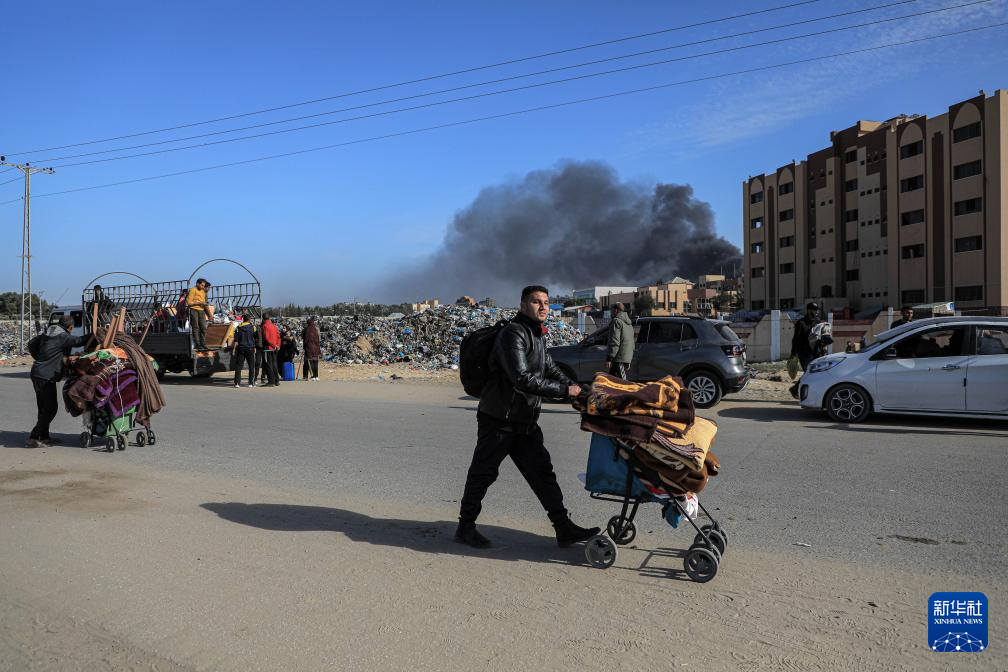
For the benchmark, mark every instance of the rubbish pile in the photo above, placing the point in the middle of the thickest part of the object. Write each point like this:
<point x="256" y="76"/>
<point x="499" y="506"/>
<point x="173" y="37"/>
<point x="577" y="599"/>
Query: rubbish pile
<point x="9" y="334"/>
<point x="428" y="340"/>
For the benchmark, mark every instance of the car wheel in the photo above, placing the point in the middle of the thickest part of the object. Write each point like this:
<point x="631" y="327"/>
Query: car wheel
<point x="705" y="389"/>
<point x="848" y="403"/>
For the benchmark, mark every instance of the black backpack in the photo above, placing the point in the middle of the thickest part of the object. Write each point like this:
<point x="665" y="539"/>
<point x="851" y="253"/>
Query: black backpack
<point x="35" y="346"/>
<point x="474" y="357"/>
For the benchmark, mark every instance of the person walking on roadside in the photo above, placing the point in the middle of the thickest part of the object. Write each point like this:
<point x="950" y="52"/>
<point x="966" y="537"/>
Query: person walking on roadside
<point x="196" y="301"/>
<point x="803" y="343"/>
<point x="312" y="345"/>
<point x="243" y="350"/>
<point x="270" y="338"/>
<point x="621" y="343"/>
<point x="906" y="315"/>
<point x="520" y="373"/>
<point x="49" y="350"/>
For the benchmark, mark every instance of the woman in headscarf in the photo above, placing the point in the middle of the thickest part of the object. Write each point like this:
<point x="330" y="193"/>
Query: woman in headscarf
<point x="312" y="346"/>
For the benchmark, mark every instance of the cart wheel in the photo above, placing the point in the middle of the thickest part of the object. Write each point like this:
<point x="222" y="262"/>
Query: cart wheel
<point x="151" y="439"/>
<point x="717" y="527"/>
<point x="629" y="530"/>
<point x="121" y="440"/>
<point x="141" y="439"/>
<point x="716" y="538"/>
<point x="600" y="552"/>
<point x="110" y="444"/>
<point x="85" y="439"/>
<point x="700" y="564"/>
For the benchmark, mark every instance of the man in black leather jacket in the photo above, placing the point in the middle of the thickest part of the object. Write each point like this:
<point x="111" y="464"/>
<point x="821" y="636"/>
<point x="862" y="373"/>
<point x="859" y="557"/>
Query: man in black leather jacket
<point x="521" y="372"/>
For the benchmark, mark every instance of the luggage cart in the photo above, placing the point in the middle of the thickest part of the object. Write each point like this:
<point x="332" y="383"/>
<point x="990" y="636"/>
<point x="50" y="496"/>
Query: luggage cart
<point x="703" y="558"/>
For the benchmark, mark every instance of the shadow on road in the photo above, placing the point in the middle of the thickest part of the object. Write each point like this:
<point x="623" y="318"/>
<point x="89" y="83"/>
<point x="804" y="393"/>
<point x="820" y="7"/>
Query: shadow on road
<point x="425" y="536"/>
<point x="19" y="439"/>
<point x="16" y="374"/>
<point x="891" y="424"/>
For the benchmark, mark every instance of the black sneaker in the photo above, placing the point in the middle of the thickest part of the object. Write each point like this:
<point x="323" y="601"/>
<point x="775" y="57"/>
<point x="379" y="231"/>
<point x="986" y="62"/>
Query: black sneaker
<point x="468" y="534"/>
<point x="567" y="533"/>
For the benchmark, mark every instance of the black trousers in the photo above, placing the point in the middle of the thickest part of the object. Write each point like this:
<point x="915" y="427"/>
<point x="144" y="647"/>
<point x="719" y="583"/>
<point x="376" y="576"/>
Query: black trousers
<point x="243" y="355"/>
<point x="46" y="401"/>
<point x="619" y="369"/>
<point x="310" y="368"/>
<point x="495" y="442"/>
<point x="267" y="365"/>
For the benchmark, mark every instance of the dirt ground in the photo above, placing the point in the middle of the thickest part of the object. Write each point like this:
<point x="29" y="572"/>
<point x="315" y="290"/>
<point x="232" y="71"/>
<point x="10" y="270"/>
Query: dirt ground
<point x="107" y="566"/>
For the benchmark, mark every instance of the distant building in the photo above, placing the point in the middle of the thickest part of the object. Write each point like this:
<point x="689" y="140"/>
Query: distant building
<point x="913" y="210"/>
<point x="670" y="298"/>
<point x="595" y="295"/>
<point x="421" y="307"/>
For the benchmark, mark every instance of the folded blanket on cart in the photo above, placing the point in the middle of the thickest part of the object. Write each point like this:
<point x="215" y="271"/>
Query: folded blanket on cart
<point x="665" y="399"/>
<point x="637" y="428"/>
<point x="673" y="478"/>
<point x="119" y="394"/>
<point x="691" y="448"/>
<point x="81" y="387"/>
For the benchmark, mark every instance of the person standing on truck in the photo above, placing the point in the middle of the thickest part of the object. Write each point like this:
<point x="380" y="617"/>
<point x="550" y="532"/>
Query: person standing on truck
<point x="49" y="349"/>
<point x="312" y="343"/>
<point x="244" y="350"/>
<point x="196" y="301"/>
<point x="270" y="338"/>
<point x="621" y="343"/>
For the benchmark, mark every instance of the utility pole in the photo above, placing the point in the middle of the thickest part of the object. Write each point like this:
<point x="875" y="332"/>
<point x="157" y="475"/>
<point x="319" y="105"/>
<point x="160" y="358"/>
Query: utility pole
<point x="28" y="171"/>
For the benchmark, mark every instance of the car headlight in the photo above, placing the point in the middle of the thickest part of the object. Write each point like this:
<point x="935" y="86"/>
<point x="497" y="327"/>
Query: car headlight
<point x="825" y="365"/>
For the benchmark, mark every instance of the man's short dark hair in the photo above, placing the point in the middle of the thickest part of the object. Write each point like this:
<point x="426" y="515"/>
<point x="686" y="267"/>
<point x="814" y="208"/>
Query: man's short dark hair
<point x="906" y="308"/>
<point x="532" y="289"/>
<point x="619" y="306"/>
<point x="68" y="322"/>
<point x="204" y="281"/>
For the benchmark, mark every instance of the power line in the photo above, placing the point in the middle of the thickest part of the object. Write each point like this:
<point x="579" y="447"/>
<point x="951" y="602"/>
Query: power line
<point x="499" y="92"/>
<point x="429" y="78"/>
<point x="520" y="112"/>
<point x="16" y="179"/>
<point x="521" y="76"/>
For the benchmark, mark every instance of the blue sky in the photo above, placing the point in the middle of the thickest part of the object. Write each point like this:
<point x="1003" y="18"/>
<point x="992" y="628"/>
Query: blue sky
<point x="324" y="226"/>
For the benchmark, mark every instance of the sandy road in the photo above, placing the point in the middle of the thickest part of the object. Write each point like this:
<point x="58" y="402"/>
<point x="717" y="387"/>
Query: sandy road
<point x="107" y="566"/>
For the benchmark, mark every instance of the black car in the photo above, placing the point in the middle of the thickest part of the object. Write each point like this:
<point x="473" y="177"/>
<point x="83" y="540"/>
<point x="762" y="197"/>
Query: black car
<point x="706" y="354"/>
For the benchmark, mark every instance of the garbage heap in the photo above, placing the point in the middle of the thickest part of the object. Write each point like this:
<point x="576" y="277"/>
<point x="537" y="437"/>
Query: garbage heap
<point x="9" y="337"/>
<point x="428" y="340"/>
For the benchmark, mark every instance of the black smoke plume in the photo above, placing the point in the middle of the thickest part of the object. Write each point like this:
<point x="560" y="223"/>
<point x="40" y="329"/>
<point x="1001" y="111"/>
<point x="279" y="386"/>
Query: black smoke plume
<point x="572" y="226"/>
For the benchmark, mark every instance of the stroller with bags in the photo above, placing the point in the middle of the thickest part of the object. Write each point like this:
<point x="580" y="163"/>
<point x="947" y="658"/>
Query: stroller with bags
<point x="619" y="472"/>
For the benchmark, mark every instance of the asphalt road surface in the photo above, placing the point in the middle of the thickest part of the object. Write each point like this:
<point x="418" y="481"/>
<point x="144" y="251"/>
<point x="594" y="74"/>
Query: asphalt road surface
<point x="892" y="495"/>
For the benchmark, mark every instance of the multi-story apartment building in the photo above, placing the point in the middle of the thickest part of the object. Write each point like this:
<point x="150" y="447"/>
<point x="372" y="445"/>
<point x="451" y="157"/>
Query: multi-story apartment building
<point x="912" y="210"/>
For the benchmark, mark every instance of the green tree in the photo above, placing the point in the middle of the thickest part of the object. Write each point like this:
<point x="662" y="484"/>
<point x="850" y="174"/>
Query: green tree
<point x="643" y="304"/>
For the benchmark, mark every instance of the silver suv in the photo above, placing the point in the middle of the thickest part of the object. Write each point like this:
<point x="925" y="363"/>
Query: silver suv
<point x="706" y="354"/>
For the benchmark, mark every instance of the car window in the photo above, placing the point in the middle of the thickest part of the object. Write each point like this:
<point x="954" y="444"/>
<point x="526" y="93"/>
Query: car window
<point x="688" y="333"/>
<point x="641" y="332"/>
<point x="727" y="333"/>
<point x="665" y="332"/>
<point x="947" y="342"/>
<point x="992" y="341"/>
<point x="54" y="318"/>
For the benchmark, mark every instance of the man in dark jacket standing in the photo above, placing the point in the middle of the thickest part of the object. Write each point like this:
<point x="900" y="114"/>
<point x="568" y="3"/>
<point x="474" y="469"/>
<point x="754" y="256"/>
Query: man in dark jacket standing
<point x="621" y="343"/>
<point x="244" y="350"/>
<point x="51" y="347"/>
<point x="521" y="372"/>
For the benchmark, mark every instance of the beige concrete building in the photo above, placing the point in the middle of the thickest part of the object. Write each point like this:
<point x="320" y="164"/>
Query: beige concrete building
<point x="670" y="298"/>
<point x="912" y="210"/>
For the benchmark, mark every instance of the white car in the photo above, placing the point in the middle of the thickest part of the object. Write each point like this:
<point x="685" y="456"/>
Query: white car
<point x="956" y="366"/>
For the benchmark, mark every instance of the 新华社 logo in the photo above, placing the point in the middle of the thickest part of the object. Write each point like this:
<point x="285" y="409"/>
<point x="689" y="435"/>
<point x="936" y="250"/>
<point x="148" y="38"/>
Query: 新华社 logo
<point x="957" y="622"/>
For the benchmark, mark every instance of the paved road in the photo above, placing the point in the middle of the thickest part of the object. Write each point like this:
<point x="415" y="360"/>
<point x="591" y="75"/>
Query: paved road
<point x="894" y="492"/>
